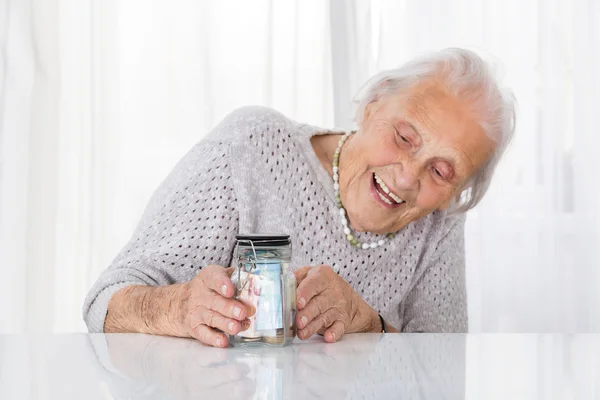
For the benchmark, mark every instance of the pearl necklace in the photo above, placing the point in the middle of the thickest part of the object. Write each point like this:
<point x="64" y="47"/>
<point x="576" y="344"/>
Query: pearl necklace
<point x="336" y="187"/>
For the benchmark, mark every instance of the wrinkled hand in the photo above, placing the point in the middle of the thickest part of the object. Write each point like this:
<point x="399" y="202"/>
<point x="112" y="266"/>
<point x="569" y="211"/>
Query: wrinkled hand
<point x="207" y="308"/>
<point x="329" y="306"/>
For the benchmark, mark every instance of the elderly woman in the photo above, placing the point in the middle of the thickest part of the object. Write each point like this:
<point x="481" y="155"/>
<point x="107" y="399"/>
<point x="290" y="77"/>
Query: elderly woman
<point x="376" y="216"/>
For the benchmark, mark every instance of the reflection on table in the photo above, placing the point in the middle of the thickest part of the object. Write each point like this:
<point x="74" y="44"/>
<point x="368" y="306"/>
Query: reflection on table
<point x="360" y="366"/>
<point x="369" y="366"/>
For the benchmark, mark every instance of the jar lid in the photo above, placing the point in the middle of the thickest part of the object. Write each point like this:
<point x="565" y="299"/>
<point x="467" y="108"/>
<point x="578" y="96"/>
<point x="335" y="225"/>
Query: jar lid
<point x="260" y="239"/>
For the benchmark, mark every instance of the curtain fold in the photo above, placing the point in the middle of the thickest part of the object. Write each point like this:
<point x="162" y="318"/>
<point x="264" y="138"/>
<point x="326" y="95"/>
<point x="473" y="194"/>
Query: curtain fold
<point x="16" y="91"/>
<point x="28" y="180"/>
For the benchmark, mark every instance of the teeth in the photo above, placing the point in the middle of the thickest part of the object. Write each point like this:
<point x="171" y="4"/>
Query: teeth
<point x="387" y="191"/>
<point x="382" y="184"/>
<point x="382" y="197"/>
<point x="396" y="198"/>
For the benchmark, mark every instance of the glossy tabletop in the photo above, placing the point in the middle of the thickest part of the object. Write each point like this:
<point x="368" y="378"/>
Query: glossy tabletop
<point x="362" y="366"/>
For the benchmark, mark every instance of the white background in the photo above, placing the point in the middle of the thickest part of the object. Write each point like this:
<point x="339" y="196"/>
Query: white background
<point x="100" y="98"/>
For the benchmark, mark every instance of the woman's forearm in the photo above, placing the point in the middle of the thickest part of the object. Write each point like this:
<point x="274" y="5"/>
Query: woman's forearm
<point x="146" y="309"/>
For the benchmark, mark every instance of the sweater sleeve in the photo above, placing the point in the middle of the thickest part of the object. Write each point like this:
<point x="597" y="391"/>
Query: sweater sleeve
<point x="191" y="221"/>
<point x="438" y="300"/>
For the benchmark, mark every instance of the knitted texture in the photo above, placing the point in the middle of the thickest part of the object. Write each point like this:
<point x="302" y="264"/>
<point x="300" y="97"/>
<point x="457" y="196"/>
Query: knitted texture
<point x="256" y="172"/>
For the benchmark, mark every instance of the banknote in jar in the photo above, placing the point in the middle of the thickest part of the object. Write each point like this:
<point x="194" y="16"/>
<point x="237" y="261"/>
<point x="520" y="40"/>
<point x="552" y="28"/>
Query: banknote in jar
<point x="249" y="296"/>
<point x="269" y="312"/>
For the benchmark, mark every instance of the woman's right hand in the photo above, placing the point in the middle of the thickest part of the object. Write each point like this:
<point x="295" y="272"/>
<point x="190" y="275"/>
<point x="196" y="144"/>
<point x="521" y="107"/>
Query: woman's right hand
<point x="207" y="308"/>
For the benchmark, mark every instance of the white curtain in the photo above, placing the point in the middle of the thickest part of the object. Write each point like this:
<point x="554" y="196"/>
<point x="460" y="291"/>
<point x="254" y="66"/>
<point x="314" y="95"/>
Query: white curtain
<point x="533" y="256"/>
<point x="100" y="98"/>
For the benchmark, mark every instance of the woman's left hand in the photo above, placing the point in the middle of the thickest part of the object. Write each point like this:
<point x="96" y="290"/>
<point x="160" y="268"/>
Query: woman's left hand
<point x="328" y="305"/>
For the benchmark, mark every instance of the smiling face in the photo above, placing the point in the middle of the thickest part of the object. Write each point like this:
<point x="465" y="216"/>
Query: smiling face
<point x="412" y="155"/>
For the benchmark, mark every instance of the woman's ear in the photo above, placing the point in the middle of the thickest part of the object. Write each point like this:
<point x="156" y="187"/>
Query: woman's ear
<point x="444" y="206"/>
<point x="371" y="108"/>
<point x="382" y="87"/>
<point x="368" y="109"/>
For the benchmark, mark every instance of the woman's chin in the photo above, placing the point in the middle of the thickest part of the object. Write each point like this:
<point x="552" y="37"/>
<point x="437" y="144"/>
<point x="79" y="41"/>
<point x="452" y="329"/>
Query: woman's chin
<point x="374" y="219"/>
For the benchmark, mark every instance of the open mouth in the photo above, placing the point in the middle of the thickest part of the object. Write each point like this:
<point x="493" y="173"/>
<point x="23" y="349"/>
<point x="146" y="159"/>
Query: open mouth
<point x="383" y="194"/>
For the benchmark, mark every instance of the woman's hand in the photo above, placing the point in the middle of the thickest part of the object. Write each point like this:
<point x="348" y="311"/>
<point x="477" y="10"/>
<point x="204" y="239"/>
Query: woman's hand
<point x="202" y="308"/>
<point x="328" y="305"/>
<point x="207" y="307"/>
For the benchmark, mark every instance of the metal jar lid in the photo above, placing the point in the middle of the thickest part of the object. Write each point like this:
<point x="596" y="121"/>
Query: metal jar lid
<point x="264" y="240"/>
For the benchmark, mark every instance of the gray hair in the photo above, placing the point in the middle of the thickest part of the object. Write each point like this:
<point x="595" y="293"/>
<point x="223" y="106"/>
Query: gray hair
<point x="470" y="79"/>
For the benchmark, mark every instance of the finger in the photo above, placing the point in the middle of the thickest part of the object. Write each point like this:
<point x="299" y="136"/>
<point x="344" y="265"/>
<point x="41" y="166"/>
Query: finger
<point x="229" y="308"/>
<point x="218" y="279"/>
<point x="216" y="320"/>
<point x="324" y="319"/>
<point x="312" y="285"/>
<point x="209" y="336"/>
<point x="301" y="273"/>
<point x="334" y="332"/>
<point x="315" y="307"/>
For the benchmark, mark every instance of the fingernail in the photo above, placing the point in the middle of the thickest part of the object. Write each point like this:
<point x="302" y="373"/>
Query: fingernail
<point x="245" y="324"/>
<point x="224" y="290"/>
<point x="333" y="336"/>
<point x="302" y="302"/>
<point x="230" y="326"/>
<point x="303" y="321"/>
<point x="237" y="311"/>
<point x="251" y="311"/>
<point x="219" y="343"/>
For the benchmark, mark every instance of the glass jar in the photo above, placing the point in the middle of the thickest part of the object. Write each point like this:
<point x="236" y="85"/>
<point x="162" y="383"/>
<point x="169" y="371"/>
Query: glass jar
<point x="266" y="285"/>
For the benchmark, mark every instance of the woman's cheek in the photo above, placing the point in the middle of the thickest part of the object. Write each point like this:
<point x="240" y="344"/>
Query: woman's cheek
<point x="430" y="198"/>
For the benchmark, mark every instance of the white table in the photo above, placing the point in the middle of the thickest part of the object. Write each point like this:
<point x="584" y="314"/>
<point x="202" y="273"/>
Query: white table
<point x="416" y="366"/>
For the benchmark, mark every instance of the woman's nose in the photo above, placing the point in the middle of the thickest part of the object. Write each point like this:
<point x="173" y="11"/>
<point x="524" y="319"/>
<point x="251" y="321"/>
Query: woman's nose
<point x="407" y="177"/>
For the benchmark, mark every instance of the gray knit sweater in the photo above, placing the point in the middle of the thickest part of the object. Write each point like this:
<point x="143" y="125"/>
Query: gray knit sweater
<point x="257" y="172"/>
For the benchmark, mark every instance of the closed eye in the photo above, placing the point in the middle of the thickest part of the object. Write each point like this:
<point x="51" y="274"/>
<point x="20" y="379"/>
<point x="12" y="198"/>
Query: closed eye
<point x="403" y="139"/>
<point x="442" y="171"/>
<point x="407" y="135"/>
